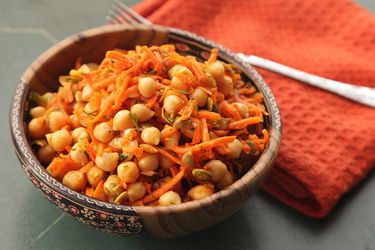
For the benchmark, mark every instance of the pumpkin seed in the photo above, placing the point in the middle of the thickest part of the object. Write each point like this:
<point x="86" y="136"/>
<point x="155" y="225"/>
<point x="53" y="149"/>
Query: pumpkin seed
<point x="120" y="197"/>
<point x="201" y="175"/>
<point x="187" y="159"/>
<point x="254" y="149"/>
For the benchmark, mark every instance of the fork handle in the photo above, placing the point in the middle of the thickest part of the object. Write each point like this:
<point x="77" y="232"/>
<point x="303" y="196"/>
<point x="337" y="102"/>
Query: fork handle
<point x="364" y="95"/>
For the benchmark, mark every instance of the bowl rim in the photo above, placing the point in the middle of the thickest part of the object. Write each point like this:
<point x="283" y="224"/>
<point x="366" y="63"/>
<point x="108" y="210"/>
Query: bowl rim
<point x="29" y="160"/>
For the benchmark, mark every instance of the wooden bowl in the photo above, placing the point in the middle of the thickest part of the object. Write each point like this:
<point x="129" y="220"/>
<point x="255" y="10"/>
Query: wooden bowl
<point x="176" y="220"/>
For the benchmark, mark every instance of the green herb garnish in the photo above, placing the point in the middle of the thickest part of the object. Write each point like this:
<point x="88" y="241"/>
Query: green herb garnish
<point x="167" y="118"/>
<point x="93" y="113"/>
<point x="134" y="120"/>
<point x="123" y="157"/>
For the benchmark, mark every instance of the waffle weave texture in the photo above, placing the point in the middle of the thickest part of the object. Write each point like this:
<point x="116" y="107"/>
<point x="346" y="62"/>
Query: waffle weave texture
<point x="328" y="142"/>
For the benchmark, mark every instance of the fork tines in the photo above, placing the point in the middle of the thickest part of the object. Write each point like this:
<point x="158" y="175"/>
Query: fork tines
<point x="121" y="13"/>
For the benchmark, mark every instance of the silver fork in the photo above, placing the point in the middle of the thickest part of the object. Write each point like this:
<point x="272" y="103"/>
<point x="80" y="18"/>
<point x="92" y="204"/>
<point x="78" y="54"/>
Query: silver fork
<point x="121" y="13"/>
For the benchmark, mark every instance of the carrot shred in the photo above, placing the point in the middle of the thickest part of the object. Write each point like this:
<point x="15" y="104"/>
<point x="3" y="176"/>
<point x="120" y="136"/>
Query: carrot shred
<point x="138" y="152"/>
<point x="227" y="110"/>
<point x="89" y="191"/>
<point x="204" y="145"/>
<point x="152" y="101"/>
<point x="99" y="192"/>
<point x="209" y="115"/>
<point x="87" y="167"/>
<point x="59" y="167"/>
<point x="213" y="56"/>
<point x="169" y="156"/>
<point x="91" y="152"/>
<point x="197" y="137"/>
<point x="244" y="122"/>
<point x="163" y="189"/>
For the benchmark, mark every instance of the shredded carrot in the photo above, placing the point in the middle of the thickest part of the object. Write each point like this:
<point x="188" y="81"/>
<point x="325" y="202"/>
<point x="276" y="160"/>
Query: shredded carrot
<point x="59" y="167"/>
<point x="152" y="101"/>
<point x="204" y="145"/>
<point x="197" y="137"/>
<point x="266" y="136"/>
<point x="91" y="152"/>
<point x="87" y="167"/>
<point x="89" y="191"/>
<point x="135" y="150"/>
<point x="100" y="149"/>
<point x="163" y="189"/>
<point x="220" y="132"/>
<point x="173" y="170"/>
<point x="169" y="156"/>
<point x="244" y="122"/>
<point x="99" y="192"/>
<point x="213" y="56"/>
<point x="209" y="115"/>
<point x="168" y="133"/>
<point x="105" y="82"/>
<point x="229" y="111"/>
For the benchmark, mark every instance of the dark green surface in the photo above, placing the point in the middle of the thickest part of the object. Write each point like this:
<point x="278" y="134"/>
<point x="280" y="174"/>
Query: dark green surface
<point x="28" y="221"/>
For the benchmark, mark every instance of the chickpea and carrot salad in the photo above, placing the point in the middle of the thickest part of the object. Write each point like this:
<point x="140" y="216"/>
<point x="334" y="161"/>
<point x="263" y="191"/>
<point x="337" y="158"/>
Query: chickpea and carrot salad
<point x="148" y="126"/>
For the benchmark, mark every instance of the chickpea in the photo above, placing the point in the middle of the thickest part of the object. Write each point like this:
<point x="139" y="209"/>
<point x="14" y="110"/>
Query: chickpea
<point x="56" y="120"/>
<point x="179" y="69"/>
<point x="91" y="108"/>
<point x="37" y="128"/>
<point x="95" y="175"/>
<point x="80" y="134"/>
<point x="75" y="180"/>
<point x="122" y="121"/>
<point x="60" y="139"/>
<point x="116" y="142"/>
<point x="217" y="70"/>
<point x="169" y="198"/>
<point x="103" y="132"/>
<point x="78" y="96"/>
<point x="46" y="154"/>
<point x="78" y="107"/>
<point x="151" y="135"/>
<point x="242" y="108"/>
<point x="226" y="86"/>
<point x="235" y="148"/>
<point x="173" y="104"/>
<point x="199" y="192"/>
<point x="78" y="154"/>
<point x="173" y="139"/>
<point x="74" y="121"/>
<point x="225" y="182"/>
<point x="178" y="84"/>
<point x="147" y="86"/>
<point x="165" y="162"/>
<point x="87" y="93"/>
<point x="128" y="172"/>
<point x="112" y="186"/>
<point x="148" y="162"/>
<point x="107" y="161"/>
<point x="37" y="111"/>
<point x="200" y="96"/>
<point x="142" y="112"/>
<point x="136" y="191"/>
<point x="217" y="169"/>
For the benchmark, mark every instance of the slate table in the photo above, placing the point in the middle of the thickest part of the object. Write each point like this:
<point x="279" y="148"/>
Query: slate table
<point x="29" y="221"/>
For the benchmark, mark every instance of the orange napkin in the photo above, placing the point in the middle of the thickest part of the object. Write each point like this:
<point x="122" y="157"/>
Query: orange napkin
<point x="328" y="142"/>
